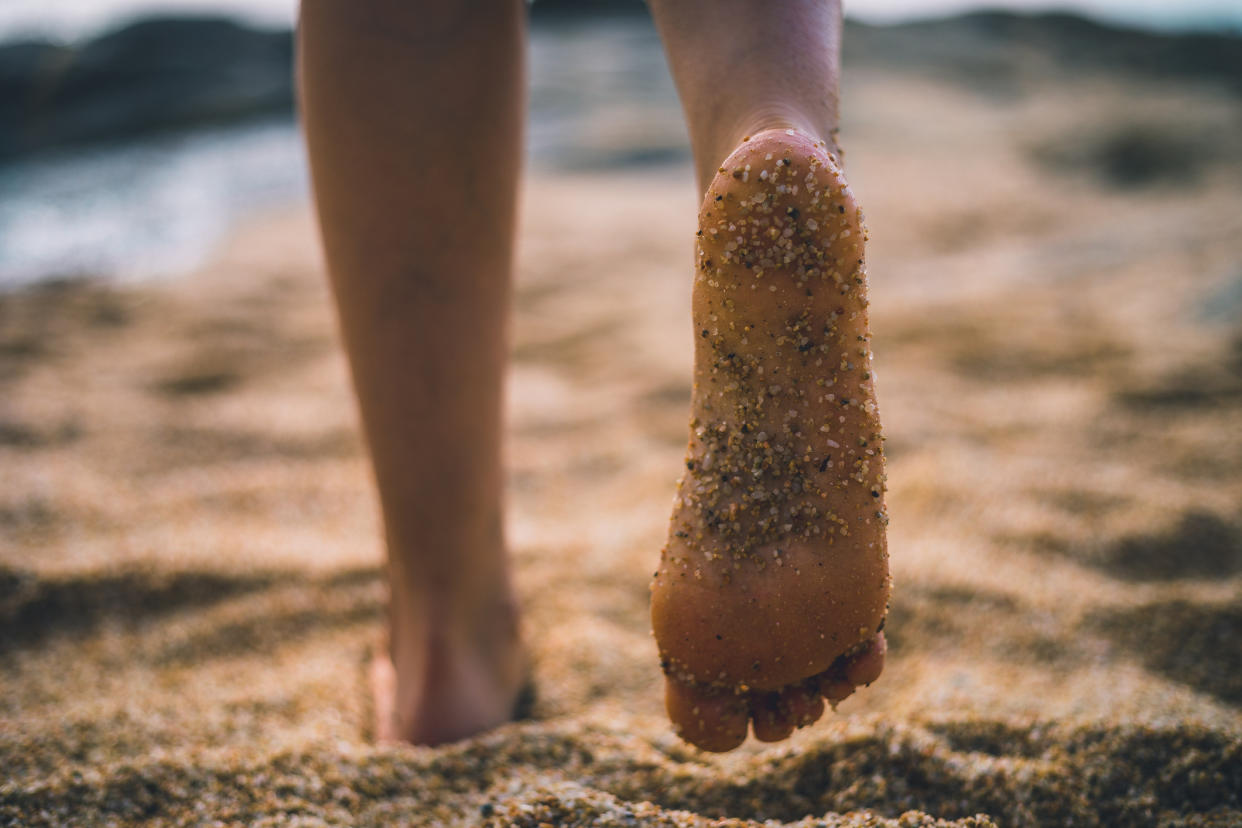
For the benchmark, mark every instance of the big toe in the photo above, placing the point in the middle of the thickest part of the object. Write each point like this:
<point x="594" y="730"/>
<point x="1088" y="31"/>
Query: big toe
<point x="709" y="719"/>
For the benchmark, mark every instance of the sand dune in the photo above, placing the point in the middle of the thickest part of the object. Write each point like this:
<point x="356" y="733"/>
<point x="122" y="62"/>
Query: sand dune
<point x="191" y="577"/>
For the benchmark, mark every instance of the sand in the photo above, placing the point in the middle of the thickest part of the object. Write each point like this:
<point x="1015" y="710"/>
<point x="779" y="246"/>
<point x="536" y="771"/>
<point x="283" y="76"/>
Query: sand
<point x="191" y="580"/>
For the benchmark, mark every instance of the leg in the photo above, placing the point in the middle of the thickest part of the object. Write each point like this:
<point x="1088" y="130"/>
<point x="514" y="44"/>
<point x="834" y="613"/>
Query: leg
<point x="413" y="118"/>
<point x="772" y="590"/>
<point x="742" y="66"/>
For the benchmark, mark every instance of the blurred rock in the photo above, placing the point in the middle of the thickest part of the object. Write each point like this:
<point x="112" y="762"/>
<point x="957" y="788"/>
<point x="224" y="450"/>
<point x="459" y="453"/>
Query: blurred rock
<point x="153" y="75"/>
<point x="179" y="72"/>
<point x="1004" y="53"/>
<point x="1127" y="155"/>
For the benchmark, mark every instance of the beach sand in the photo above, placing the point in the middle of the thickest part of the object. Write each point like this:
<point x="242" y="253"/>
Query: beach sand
<point x="191" y="580"/>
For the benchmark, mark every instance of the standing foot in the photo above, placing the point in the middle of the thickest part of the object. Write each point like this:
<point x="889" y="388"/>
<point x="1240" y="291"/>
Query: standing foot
<point x="450" y="677"/>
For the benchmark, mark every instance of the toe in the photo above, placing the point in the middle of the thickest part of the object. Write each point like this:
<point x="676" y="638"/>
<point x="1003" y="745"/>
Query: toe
<point x="863" y="668"/>
<point x="774" y="720"/>
<point x="836" y="690"/>
<point x="866" y="667"/>
<point x="708" y="719"/>
<point x="805" y="704"/>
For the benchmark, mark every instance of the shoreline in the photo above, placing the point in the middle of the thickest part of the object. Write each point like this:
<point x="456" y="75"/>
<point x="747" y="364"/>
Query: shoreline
<point x="137" y="190"/>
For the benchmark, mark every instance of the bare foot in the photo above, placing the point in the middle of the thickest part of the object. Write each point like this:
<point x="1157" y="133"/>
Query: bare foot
<point x="772" y="590"/>
<point x="447" y="676"/>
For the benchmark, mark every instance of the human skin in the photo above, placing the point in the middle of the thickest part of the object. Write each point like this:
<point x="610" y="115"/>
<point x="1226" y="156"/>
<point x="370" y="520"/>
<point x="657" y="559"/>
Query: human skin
<point x="413" y="119"/>
<point x="743" y="67"/>
<point x="773" y="586"/>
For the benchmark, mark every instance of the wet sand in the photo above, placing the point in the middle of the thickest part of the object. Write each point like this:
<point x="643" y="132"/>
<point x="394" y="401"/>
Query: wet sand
<point x="191" y="583"/>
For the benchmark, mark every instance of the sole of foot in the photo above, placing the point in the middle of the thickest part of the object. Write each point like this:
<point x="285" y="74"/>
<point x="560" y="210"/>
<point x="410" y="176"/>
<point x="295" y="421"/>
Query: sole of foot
<point x="773" y="586"/>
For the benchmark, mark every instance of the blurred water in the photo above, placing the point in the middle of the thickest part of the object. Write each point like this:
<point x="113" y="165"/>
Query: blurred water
<point x="1159" y="14"/>
<point x="142" y="208"/>
<point x="600" y="97"/>
<point x="77" y="18"/>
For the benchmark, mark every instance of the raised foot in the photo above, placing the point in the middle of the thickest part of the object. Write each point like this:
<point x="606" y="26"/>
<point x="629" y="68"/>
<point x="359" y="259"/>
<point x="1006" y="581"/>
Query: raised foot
<point x="772" y="589"/>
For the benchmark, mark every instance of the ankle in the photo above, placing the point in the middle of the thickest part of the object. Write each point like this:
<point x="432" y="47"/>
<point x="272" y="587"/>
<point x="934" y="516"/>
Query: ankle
<point x="485" y="621"/>
<point x="464" y="580"/>
<point x="439" y="687"/>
